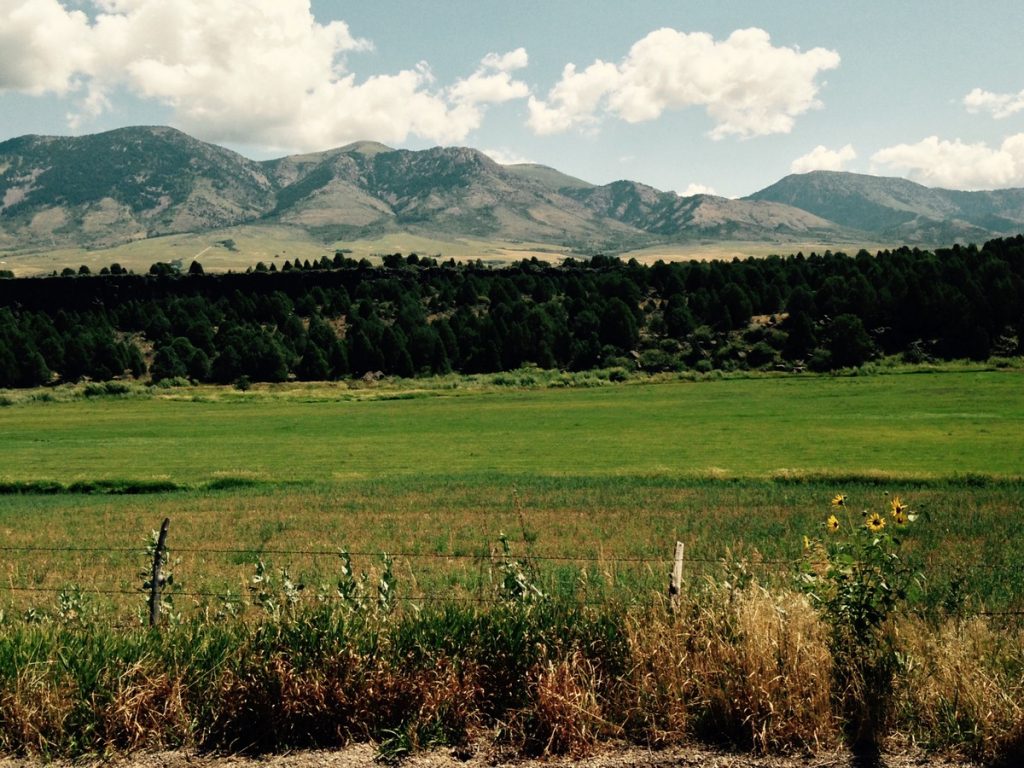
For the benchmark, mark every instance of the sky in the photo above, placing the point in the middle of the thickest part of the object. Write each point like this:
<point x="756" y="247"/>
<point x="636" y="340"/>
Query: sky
<point x="721" y="97"/>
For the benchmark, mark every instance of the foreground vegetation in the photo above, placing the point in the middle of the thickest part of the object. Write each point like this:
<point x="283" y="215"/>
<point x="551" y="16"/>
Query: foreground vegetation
<point x="737" y="666"/>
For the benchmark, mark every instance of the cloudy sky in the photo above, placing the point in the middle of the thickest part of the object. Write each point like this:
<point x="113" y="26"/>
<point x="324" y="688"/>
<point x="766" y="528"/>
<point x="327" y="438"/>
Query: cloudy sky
<point x="684" y="95"/>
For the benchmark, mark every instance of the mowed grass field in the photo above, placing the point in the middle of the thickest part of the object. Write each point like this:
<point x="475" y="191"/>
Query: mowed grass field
<point x="603" y="481"/>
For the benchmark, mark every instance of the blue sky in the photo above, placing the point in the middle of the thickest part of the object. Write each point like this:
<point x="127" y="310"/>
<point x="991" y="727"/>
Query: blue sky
<point x="685" y="96"/>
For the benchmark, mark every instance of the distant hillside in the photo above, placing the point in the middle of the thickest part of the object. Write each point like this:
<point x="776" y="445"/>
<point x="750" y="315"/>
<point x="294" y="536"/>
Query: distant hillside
<point x="134" y="183"/>
<point x="125" y="184"/>
<point x="897" y="208"/>
<point x="366" y="188"/>
<point x="675" y="217"/>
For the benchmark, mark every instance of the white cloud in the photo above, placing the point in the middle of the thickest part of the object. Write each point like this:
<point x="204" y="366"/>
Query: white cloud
<point x="516" y="59"/>
<point x="1000" y="105"/>
<point x="42" y="46"/>
<point x="821" y="158"/>
<point x="694" y="188"/>
<point x="504" y="156"/>
<point x="954" y="164"/>
<point x="492" y="83"/>
<point x="747" y="86"/>
<point x="249" y="71"/>
<point x="576" y="98"/>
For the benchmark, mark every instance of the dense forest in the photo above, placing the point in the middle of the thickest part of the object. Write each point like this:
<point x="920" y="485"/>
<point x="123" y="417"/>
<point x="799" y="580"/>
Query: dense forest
<point x="337" y="318"/>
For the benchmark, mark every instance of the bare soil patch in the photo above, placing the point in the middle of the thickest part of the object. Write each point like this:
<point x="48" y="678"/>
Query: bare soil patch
<point x="360" y="755"/>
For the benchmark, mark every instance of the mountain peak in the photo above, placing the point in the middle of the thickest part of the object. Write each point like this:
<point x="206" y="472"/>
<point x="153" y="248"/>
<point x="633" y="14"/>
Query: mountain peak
<point x="368" y="148"/>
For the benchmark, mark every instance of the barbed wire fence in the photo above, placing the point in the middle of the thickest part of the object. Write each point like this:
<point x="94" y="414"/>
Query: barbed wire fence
<point x="669" y="568"/>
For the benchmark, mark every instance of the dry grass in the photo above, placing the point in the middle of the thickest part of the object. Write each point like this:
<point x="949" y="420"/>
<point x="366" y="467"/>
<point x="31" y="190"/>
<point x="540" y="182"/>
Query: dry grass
<point x="747" y="668"/>
<point x="146" y="711"/>
<point x="565" y="715"/>
<point x="963" y="688"/>
<point x="33" y="709"/>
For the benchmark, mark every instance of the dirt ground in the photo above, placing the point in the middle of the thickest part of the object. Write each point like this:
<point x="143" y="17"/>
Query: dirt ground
<point x="360" y="755"/>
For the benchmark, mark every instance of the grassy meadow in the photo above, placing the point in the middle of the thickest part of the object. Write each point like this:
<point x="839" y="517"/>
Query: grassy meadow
<point x="592" y="485"/>
<point x="601" y="479"/>
<point x="921" y="426"/>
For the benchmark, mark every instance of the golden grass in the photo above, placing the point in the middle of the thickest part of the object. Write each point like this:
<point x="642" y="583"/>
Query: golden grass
<point x="963" y="687"/>
<point x="271" y="244"/>
<point x="147" y="709"/>
<point x="746" y="667"/>
<point x="727" y="250"/>
<point x="566" y="716"/>
<point x="33" y="710"/>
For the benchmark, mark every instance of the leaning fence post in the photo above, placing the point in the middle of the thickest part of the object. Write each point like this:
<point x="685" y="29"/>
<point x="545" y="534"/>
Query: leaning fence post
<point x="676" y="582"/>
<point x="156" y="578"/>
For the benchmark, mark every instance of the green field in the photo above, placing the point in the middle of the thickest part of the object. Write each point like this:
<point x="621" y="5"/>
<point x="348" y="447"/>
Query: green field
<point x="605" y="477"/>
<point x="933" y="425"/>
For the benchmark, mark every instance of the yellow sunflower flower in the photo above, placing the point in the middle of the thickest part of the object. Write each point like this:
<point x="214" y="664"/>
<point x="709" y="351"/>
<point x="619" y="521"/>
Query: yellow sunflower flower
<point x="900" y="511"/>
<point x="832" y="524"/>
<point x="839" y="500"/>
<point x="875" y="522"/>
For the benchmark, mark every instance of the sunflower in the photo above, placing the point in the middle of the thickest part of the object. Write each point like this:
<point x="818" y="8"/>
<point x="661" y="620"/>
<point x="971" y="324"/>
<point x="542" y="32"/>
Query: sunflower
<point x="839" y="500"/>
<point x="875" y="522"/>
<point x="900" y="511"/>
<point x="832" y="524"/>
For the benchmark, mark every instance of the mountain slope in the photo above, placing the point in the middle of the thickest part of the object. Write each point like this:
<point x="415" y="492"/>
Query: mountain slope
<point x="134" y="183"/>
<point x="124" y="184"/>
<point x="893" y="207"/>
<point x="450" y="190"/>
<point x="675" y="217"/>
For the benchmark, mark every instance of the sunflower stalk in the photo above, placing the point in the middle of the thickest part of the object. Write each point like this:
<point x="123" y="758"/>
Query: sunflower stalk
<point x="857" y="578"/>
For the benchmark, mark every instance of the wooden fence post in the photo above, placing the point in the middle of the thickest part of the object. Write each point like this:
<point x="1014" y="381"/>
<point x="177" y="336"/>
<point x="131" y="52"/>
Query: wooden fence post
<point x="676" y="582"/>
<point x="156" y="578"/>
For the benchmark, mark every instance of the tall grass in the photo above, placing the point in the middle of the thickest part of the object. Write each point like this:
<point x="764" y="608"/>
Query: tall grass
<point x="745" y="668"/>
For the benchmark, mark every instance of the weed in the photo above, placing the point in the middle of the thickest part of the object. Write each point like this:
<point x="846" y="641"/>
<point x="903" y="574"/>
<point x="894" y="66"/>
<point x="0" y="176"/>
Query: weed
<point x="517" y="577"/>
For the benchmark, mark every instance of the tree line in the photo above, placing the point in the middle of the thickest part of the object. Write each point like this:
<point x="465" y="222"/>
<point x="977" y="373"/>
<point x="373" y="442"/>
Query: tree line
<point x="338" y="318"/>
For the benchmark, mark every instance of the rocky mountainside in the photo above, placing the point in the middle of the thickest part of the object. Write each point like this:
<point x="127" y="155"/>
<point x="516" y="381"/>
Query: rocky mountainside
<point x="675" y="217"/>
<point x="122" y="185"/>
<point x="140" y="182"/>
<point x="900" y="209"/>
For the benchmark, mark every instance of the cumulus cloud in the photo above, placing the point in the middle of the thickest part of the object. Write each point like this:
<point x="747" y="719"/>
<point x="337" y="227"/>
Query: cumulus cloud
<point x="694" y="188"/>
<point x="748" y="86"/>
<point x="504" y="156"/>
<point x="999" y="105"/>
<point x="250" y="71"/>
<point x="821" y="158"/>
<point x="43" y="46"/>
<point x="492" y="82"/>
<point x="954" y="164"/>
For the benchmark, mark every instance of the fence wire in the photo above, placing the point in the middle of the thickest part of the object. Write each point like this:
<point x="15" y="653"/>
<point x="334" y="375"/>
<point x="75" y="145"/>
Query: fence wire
<point x="492" y="557"/>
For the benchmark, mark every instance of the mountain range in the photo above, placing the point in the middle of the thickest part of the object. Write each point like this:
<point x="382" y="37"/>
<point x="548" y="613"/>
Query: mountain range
<point x="134" y="183"/>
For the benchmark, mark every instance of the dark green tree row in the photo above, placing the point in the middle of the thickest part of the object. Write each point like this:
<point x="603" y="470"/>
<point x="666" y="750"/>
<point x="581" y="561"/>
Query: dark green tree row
<point x="35" y="347"/>
<point x="338" y="318"/>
